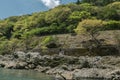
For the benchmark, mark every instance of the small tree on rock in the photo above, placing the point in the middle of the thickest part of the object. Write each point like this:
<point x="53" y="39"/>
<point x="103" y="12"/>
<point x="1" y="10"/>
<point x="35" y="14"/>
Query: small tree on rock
<point x="91" y="28"/>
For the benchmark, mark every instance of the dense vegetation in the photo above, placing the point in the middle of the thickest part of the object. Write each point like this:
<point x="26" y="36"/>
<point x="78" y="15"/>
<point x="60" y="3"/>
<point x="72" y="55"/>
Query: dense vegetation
<point x="17" y="31"/>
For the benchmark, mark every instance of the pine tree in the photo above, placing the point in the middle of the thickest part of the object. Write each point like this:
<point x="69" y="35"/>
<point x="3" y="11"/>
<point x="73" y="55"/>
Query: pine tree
<point x="78" y="2"/>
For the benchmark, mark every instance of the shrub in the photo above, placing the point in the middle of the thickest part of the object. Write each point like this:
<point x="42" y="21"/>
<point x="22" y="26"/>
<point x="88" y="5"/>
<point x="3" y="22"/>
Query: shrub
<point x="49" y="42"/>
<point x="8" y="47"/>
<point x="6" y="29"/>
<point x="90" y="26"/>
<point x="112" y="25"/>
<point x="93" y="10"/>
<point x="58" y="14"/>
<point x="115" y="5"/>
<point x="77" y="15"/>
<point x="111" y="11"/>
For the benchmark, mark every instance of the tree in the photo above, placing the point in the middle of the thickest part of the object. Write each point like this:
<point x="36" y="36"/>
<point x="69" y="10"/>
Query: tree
<point x="78" y="2"/>
<point x="93" y="10"/>
<point x="99" y="2"/>
<point x="110" y="12"/>
<point x="85" y="1"/>
<point x="92" y="28"/>
<point x="58" y="15"/>
<point x="6" y="29"/>
<point x="79" y="15"/>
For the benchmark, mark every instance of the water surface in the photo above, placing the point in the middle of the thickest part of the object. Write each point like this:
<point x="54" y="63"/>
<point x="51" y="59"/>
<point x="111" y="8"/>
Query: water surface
<point x="6" y="74"/>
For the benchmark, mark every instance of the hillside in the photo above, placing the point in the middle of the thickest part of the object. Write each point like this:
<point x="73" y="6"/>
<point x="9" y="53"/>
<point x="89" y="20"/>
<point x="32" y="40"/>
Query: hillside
<point x="24" y="32"/>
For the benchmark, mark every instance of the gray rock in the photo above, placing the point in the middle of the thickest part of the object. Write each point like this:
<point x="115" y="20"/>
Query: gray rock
<point x="114" y="75"/>
<point x="31" y="66"/>
<point x="68" y="75"/>
<point x="55" y="71"/>
<point x="21" y="65"/>
<point x="42" y="69"/>
<point x="20" y="55"/>
<point x="91" y="73"/>
<point x="33" y="55"/>
<point x="10" y="65"/>
<point x="59" y="77"/>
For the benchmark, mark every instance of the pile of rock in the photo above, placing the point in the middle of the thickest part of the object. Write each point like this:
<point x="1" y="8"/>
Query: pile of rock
<point x="64" y="67"/>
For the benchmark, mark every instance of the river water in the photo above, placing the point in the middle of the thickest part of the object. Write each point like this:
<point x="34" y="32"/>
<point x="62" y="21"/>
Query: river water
<point x="6" y="74"/>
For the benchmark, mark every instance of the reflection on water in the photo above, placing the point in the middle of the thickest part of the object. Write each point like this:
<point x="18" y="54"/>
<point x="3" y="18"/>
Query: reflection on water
<point x="6" y="74"/>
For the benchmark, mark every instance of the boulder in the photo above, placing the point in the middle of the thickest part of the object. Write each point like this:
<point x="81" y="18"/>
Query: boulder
<point x="68" y="75"/>
<point x="42" y="69"/>
<point x="33" y="55"/>
<point x="21" y="65"/>
<point x="19" y="54"/>
<point x="92" y="73"/>
<point x="114" y="75"/>
<point x="10" y="65"/>
<point x="58" y="76"/>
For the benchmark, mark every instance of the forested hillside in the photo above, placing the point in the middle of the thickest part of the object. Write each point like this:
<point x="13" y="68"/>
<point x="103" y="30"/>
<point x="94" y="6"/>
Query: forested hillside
<point x="18" y="32"/>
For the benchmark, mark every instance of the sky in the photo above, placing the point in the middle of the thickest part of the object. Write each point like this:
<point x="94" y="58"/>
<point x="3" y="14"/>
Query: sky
<point x="20" y="7"/>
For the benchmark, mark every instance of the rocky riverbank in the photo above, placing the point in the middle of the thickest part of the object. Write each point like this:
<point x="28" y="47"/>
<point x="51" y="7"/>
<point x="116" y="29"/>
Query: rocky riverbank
<point x="65" y="67"/>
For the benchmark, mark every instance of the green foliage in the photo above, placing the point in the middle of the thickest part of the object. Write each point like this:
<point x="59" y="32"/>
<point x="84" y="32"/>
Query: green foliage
<point x="13" y="19"/>
<point x="93" y="10"/>
<point x="4" y="48"/>
<point x="8" y="47"/>
<point x="85" y="6"/>
<point x="73" y="7"/>
<point x="58" y="14"/>
<point x="112" y="25"/>
<point x="49" y="42"/>
<point x="90" y="26"/>
<point x="78" y="2"/>
<point x="71" y="28"/>
<point x="17" y="35"/>
<point x="6" y="29"/>
<point x="109" y="13"/>
<point x="99" y="2"/>
<point x="115" y="5"/>
<point x="48" y="39"/>
<point x="77" y="15"/>
<point x="60" y="20"/>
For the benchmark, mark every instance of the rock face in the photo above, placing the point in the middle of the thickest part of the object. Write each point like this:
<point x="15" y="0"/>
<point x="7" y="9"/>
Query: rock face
<point x="65" y="67"/>
<point x="114" y="75"/>
<point x="91" y="73"/>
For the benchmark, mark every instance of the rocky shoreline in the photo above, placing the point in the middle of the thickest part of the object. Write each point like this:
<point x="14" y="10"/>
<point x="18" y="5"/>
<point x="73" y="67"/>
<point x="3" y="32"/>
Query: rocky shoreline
<point x="65" y="67"/>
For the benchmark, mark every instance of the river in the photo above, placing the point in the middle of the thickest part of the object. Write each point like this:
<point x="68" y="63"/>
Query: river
<point x="6" y="74"/>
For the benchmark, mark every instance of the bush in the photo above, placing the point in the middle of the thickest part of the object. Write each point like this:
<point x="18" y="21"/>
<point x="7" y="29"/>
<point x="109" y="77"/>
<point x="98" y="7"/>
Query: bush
<point x="73" y="7"/>
<point x="4" y="49"/>
<point x="98" y="2"/>
<point x="110" y="14"/>
<point x="71" y="28"/>
<point x="90" y="26"/>
<point x="113" y="25"/>
<point x="58" y="14"/>
<point x="6" y="29"/>
<point x="49" y="42"/>
<point x="8" y="47"/>
<point x="111" y="11"/>
<point x="114" y="5"/>
<point x="79" y="15"/>
<point x="93" y="10"/>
